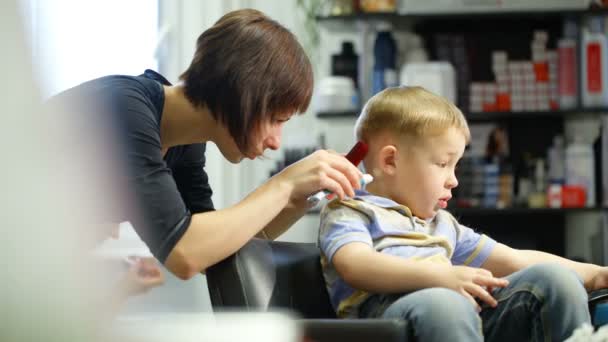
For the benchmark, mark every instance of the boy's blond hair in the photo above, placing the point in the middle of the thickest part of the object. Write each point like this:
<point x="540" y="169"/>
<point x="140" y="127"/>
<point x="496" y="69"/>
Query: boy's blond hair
<point x="409" y="112"/>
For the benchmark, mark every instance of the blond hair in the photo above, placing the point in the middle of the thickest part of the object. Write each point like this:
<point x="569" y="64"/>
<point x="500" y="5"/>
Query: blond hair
<point x="409" y="112"/>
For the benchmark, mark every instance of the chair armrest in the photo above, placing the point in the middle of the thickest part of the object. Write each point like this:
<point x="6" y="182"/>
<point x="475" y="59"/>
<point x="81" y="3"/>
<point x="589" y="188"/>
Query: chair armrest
<point x="597" y="311"/>
<point x="597" y="296"/>
<point x="355" y="330"/>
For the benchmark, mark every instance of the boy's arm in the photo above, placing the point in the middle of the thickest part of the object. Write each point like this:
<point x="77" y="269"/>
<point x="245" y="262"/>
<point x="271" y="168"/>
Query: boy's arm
<point x="505" y="260"/>
<point x="347" y="244"/>
<point x="364" y="268"/>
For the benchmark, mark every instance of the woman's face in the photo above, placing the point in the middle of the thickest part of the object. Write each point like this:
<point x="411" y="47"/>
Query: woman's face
<point x="267" y="136"/>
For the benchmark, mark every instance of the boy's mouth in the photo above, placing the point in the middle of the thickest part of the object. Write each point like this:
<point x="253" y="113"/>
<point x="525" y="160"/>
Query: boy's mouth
<point x="443" y="202"/>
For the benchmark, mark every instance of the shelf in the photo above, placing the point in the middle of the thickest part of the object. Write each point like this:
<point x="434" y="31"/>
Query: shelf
<point x="338" y="115"/>
<point x="508" y="211"/>
<point x="521" y="211"/>
<point x="571" y="113"/>
<point x="467" y="16"/>
<point x="491" y="116"/>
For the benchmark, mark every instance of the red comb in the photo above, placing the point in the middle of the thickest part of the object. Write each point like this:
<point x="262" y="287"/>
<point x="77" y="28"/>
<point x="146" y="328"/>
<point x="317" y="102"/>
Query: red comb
<point x="357" y="153"/>
<point x="355" y="156"/>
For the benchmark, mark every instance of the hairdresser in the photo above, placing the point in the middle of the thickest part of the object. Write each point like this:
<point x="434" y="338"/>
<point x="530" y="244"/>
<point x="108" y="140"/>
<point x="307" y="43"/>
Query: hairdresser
<point x="249" y="76"/>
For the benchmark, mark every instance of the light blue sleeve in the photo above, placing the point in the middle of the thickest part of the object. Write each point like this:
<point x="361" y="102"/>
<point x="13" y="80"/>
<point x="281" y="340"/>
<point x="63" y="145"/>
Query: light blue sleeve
<point x="471" y="249"/>
<point x="341" y="226"/>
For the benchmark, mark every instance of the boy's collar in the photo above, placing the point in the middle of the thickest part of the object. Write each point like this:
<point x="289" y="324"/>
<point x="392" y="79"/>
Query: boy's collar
<point x="379" y="201"/>
<point x="386" y="203"/>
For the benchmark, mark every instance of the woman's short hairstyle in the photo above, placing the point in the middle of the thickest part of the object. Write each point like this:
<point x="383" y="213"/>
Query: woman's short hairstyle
<point x="409" y="112"/>
<point x="247" y="68"/>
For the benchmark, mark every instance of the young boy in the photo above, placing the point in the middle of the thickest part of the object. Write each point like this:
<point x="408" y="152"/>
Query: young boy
<point x="393" y="252"/>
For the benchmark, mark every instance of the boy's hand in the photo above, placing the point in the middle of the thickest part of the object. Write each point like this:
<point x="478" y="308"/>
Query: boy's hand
<point x="473" y="283"/>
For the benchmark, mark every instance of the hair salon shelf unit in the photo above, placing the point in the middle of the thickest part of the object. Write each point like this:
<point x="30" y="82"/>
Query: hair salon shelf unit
<point x="480" y="211"/>
<point x="523" y="211"/>
<point x="339" y="21"/>
<point x="484" y="32"/>
<point x="493" y="116"/>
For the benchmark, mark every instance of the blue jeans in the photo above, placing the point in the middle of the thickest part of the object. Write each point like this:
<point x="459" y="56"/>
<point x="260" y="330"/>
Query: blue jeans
<point x="544" y="302"/>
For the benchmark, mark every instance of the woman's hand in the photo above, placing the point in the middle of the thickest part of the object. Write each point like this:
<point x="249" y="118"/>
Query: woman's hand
<point x="142" y="275"/>
<point x="473" y="283"/>
<point x="320" y="170"/>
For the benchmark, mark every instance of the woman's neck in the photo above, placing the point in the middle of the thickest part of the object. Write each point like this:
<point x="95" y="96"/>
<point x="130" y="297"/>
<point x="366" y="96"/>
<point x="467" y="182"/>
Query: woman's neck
<point x="182" y="123"/>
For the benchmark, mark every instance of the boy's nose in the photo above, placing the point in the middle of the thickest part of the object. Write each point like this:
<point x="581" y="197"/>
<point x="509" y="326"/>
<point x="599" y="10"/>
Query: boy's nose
<point x="452" y="182"/>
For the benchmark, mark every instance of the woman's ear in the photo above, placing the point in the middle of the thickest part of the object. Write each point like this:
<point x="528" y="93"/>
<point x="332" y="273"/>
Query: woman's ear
<point x="387" y="159"/>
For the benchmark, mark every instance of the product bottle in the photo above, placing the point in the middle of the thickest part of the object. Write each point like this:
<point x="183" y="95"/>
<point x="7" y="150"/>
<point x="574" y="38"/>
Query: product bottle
<point x="556" y="157"/>
<point x="568" y="66"/>
<point x="580" y="168"/>
<point x="345" y="63"/>
<point x="385" y="51"/>
<point x="490" y="184"/>
<point x="594" y="65"/>
<point x="537" y="198"/>
<point x="597" y="158"/>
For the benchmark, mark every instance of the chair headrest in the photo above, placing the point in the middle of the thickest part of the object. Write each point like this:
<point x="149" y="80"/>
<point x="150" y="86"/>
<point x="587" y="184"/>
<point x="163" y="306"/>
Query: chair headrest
<point x="267" y="275"/>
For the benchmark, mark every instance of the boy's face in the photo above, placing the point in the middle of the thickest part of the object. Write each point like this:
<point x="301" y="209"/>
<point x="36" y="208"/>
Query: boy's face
<point x="425" y="173"/>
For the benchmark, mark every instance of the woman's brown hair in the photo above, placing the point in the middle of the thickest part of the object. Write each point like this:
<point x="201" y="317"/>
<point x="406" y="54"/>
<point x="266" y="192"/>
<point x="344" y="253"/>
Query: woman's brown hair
<point x="247" y="68"/>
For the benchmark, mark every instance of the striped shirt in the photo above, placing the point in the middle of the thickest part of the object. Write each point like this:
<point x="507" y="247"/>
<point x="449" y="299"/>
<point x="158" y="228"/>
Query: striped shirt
<point x="391" y="228"/>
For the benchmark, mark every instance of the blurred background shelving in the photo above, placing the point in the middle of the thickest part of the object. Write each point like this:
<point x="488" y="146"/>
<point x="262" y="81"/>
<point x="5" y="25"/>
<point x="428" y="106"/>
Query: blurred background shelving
<point x="473" y="42"/>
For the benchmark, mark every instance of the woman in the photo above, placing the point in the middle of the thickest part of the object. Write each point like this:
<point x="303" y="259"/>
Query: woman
<point x="249" y="75"/>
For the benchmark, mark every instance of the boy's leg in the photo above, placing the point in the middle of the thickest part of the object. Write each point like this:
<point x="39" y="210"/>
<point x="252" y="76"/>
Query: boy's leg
<point x="434" y="314"/>
<point x="544" y="302"/>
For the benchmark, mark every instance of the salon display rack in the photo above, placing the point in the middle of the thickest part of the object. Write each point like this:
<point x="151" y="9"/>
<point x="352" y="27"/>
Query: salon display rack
<point x="523" y="210"/>
<point x="521" y="227"/>
<point x="493" y="116"/>
<point x="492" y="30"/>
<point x="397" y="18"/>
<point x="509" y="211"/>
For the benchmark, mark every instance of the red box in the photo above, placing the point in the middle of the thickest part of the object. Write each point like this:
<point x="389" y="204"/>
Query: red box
<point x="573" y="196"/>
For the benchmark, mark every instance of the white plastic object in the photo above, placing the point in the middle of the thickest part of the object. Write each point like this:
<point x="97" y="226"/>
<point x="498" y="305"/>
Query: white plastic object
<point x="556" y="159"/>
<point x="437" y="77"/>
<point x="580" y="168"/>
<point x="336" y="94"/>
<point x="319" y="196"/>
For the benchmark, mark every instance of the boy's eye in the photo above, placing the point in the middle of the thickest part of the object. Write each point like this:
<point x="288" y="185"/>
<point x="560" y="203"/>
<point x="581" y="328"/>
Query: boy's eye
<point x="442" y="165"/>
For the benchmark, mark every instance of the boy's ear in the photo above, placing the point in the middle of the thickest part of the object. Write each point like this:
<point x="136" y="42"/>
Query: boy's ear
<point x="388" y="159"/>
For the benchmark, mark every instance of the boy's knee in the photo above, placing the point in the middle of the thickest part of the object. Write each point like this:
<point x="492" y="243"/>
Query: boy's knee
<point x="557" y="279"/>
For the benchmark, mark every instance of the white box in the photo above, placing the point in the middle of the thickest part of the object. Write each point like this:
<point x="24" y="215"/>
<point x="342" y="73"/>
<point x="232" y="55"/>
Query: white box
<point x="437" y="77"/>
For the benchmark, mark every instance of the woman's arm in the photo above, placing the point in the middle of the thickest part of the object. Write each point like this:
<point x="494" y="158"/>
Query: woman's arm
<point x="281" y="223"/>
<point x="213" y="236"/>
<point x="505" y="260"/>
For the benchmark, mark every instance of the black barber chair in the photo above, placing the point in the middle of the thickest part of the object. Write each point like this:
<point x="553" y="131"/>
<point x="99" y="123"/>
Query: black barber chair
<point x="267" y="275"/>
